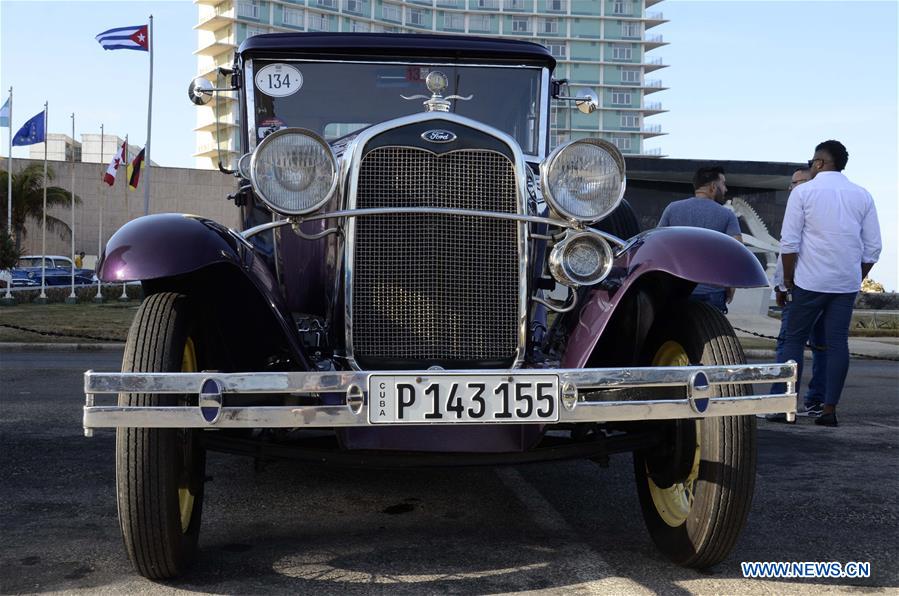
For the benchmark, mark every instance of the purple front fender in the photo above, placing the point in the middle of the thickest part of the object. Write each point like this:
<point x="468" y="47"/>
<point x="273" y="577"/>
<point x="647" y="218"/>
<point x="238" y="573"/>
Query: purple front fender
<point x="165" y="245"/>
<point x="169" y="245"/>
<point x="692" y="254"/>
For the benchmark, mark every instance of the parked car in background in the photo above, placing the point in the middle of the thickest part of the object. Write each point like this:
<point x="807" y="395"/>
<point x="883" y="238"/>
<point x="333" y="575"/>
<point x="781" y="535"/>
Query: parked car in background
<point x="406" y="228"/>
<point x="57" y="271"/>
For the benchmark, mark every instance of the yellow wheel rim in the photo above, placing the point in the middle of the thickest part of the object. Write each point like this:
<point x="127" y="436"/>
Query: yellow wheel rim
<point x="185" y="498"/>
<point x="674" y="503"/>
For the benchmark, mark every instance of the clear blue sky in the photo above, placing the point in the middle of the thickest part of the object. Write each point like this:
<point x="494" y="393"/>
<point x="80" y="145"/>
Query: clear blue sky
<point x="758" y="80"/>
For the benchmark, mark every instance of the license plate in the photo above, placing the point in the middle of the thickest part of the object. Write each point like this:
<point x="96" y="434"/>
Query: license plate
<point x="467" y="399"/>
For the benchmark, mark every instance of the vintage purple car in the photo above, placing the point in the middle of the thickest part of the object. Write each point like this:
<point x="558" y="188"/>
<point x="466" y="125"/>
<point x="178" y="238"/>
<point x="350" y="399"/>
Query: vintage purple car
<point x="421" y="281"/>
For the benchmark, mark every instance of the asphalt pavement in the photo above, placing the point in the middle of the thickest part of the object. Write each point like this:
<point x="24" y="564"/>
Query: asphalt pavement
<point x="822" y="494"/>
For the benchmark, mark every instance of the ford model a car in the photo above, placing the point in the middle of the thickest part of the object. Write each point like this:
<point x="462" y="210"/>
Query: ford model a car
<point x="420" y="281"/>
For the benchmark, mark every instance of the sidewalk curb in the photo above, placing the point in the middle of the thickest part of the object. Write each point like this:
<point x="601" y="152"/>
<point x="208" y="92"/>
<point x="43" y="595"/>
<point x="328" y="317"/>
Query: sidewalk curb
<point x="24" y="346"/>
<point x="759" y="353"/>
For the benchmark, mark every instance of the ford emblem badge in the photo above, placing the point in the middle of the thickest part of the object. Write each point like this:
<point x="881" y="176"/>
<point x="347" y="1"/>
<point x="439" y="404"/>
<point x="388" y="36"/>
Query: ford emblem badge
<point x="438" y="136"/>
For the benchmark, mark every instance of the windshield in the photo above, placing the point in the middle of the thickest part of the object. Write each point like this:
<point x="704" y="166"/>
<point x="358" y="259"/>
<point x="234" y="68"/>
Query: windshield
<point x="335" y="99"/>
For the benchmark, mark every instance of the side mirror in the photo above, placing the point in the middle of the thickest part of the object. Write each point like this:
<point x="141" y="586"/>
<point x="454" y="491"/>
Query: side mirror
<point x="587" y="102"/>
<point x="200" y="91"/>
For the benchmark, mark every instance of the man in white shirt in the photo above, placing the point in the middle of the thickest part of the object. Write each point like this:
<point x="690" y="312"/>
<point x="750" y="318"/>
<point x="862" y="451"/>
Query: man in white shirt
<point x="813" y="403"/>
<point x="829" y="241"/>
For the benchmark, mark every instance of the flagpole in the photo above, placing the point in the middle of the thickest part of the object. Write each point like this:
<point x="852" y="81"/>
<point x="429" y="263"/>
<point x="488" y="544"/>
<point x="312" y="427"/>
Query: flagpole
<point x="124" y="296"/>
<point x="72" y="299"/>
<point x="151" y="43"/>
<point x="99" y="296"/>
<point x="42" y="299"/>
<point x="7" y="298"/>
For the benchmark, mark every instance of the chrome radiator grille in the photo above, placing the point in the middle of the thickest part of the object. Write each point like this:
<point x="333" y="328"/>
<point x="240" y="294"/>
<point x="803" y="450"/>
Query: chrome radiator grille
<point x="435" y="288"/>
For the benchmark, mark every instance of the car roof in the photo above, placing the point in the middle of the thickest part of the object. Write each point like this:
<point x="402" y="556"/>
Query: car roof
<point x="398" y="46"/>
<point x="45" y="256"/>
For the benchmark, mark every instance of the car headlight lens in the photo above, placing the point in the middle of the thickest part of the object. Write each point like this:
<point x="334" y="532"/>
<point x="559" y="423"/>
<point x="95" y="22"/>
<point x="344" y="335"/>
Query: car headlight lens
<point x="584" y="180"/>
<point x="581" y="259"/>
<point x="294" y="171"/>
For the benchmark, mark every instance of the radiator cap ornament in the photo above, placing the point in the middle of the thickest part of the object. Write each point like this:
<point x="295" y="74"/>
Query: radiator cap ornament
<point x="438" y="136"/>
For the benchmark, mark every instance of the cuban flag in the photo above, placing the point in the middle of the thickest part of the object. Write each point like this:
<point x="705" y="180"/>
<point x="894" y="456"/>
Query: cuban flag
<point x="31" y="132"/>
<point x="126" y="38"/>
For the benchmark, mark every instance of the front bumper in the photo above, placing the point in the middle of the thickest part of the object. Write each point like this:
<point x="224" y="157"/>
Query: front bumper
<point x="700" y="383"/>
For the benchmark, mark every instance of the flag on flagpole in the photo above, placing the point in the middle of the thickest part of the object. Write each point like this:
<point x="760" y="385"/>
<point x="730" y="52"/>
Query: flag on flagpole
<point x="125" y="38"/>
<point x="31" y="132"/>
<point x="4" y="115"/>
<point x="109" y="177"/>
<point x="134" y="168"/>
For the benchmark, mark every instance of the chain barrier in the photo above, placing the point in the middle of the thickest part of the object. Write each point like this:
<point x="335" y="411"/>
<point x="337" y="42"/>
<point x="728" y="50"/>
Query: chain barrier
<point x="812" y="347"/>
<point x="58" y="334"/>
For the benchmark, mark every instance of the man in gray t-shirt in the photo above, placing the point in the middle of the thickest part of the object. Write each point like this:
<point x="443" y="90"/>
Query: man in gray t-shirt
<point x="706" y="210"/>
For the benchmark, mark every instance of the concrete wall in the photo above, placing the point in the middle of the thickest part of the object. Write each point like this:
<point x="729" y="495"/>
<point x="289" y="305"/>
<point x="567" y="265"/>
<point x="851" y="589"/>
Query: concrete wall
<point x="179" y="190"/>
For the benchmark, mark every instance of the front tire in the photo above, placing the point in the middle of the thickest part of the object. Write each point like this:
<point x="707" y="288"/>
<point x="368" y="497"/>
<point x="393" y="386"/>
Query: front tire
<point x="160" y="471"/>
<point x="696" y="494"/>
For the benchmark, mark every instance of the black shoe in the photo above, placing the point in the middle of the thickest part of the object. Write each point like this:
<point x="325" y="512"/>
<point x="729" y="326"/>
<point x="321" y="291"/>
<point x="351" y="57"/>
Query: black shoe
<point x="779" y="418"/>
<point x="813" y="410"/>
<point x="827" y="419"/>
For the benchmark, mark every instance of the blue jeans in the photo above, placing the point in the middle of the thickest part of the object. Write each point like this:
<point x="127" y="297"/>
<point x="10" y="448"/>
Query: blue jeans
<point x="836" y="312"/>
<point x="716" y="298"/>
<point x="816" y="384"/>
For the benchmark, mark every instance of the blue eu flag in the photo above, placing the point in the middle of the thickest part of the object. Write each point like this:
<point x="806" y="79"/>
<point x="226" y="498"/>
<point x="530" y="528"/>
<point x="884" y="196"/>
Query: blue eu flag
<point x="31" y="132"/>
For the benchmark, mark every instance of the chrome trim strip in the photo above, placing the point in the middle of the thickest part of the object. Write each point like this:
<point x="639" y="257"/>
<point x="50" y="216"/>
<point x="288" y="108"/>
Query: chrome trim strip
<point x="313" y="382"/>
<point x="350" y="382"/>
<point x="348" y="213"/>
<point x="543" y="141"/>
<point x="353" y="156"/>
<point x="250" y="94"/>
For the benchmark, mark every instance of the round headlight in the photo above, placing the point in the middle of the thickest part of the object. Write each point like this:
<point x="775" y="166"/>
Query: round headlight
<point x="294" y="171"/>
<point x="584" y="180"/>
<point x="581" y="259"/>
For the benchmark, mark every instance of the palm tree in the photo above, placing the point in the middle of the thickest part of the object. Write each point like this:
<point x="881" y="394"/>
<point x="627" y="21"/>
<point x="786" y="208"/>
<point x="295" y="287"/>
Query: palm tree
<point x="28" y="200"/>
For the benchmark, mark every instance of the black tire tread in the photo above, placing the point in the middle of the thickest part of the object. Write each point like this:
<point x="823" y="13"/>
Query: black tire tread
<point x="143" y="456"/>
<point x="733" y="440"/>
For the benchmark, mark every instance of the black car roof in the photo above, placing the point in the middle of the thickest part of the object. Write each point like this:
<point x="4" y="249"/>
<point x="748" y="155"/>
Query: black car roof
<point x="398" y="46"/>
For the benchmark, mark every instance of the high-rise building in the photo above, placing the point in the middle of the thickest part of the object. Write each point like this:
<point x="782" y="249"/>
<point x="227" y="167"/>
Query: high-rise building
<point x="600" y="44"/>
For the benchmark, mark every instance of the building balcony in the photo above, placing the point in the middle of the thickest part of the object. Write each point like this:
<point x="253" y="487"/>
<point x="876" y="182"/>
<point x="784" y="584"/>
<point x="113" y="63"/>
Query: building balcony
<point x="211" y="71"/>
<point x="652" y="130"/>
<point x="648" y="3"/>
<point x="223" y="15"/>
<point x="653" y="19"/>
<point x="216" y="46"/>
<point x="654" y="107"/>
<point x="651" y="42"/>
<point x="652" y="151"/>
<point x="653" y="64"/>
<point x="225" y="124"/>
<point x="652" y="86"/>
<point x="210" y="150"/>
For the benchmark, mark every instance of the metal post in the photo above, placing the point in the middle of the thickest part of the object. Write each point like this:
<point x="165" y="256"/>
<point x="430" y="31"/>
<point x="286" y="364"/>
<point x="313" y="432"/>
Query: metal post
<point x="42" y="298"/>
<point x="7" y="298"/>
<point x="72" y="299"/>
<point x="151" y="42"/>
<point x="125" y="162"/>
<point x="99" y="296"/>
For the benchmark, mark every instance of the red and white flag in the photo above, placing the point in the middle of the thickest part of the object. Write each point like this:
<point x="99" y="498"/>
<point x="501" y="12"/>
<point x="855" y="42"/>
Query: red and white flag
<point x="109" y="177"/>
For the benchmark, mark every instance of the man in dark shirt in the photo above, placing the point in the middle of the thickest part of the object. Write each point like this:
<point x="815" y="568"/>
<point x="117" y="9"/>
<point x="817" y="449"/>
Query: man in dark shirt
<point x="706" y="210"/>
